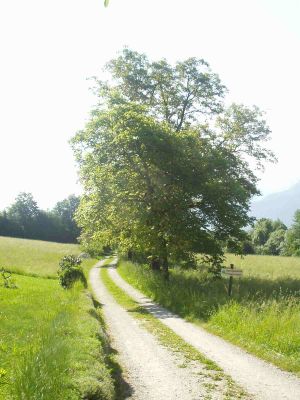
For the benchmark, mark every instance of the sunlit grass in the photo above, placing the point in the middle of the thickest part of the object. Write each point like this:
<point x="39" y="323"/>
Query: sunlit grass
<point x="33" y="257"/>
<point x="270" y="267"/>
<point x="52" y="342"/>
<point x="49" y="343"/>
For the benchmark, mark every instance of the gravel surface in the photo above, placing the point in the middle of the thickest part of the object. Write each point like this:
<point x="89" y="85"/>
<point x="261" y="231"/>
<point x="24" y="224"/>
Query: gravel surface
<point x="260" y="379"/>
<point x="151" y="371"/>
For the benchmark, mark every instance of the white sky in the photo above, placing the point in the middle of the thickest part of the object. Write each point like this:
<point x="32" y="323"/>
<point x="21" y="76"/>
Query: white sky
<point x="49" y="47"/>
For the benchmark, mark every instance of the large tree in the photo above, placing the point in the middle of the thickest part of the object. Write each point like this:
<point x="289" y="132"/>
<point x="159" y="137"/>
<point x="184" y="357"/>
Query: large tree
<point x="165" y="168"/>
<point x="24" y="213"/>
<point x="268" y="236"/>
<point x="179" y="95"/>
<point x="65" y="212"/>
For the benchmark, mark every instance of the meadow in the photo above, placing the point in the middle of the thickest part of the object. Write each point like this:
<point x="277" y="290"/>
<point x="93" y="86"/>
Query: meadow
<point x="40" y="326"/>
<point x="262" y="316"/>
<point x="33" y="257"/>
<point x="266" y="267"/>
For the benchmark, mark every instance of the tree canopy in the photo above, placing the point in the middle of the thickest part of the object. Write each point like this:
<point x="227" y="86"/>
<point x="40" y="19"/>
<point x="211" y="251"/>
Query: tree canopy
<point x="273" y="238"/>
<point x="291" y="246"/>
<point x="165" y="167"/>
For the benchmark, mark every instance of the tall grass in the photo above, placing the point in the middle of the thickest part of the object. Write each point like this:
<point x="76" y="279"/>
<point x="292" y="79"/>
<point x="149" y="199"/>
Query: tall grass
<point x="263" y="315"/>
<point x="42" y="372"/>
<point x="33" y="257"/>
<point x="51" y="344"/>
<point x="271" y="329"/>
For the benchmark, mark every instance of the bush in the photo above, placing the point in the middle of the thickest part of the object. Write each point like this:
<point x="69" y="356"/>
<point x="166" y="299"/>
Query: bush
<point x="70" y="271"/>
<point x="8" y="282"/>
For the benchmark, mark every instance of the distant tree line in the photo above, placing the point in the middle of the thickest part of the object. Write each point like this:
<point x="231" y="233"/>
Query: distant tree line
<point x="273" y="238"/>
<point x="24" y="219"/>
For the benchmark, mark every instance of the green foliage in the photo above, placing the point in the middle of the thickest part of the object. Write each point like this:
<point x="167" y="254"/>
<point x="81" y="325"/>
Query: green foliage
<point x="24" y="214"/>
<point x="273" y="237"/>
<point x="8" y="282"/>
<point x="215" y="264"/>
<point x="261" y="231"/>
<point x="24" y="219"/>
<point x="93" y="247"/>
<point x="65" y="211"/>
<point x="263" y="316"/>
<point x="291" y="246"/>
<point x="275" y="242"/>
<point x="176" y="94"/>
<point x="158" y="180"/>
<point x="33" y="257"/>
<point x="268" y="236"/>
<point x="70" y="271"/>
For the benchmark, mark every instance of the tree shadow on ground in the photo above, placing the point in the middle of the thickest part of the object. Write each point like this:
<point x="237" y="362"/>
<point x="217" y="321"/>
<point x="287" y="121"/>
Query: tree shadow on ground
<point x="154" y="309"/>
<point x="192" y="295"/>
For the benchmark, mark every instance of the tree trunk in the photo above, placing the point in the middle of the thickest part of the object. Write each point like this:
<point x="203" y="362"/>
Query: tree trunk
<point x="130" y="255"/>
<point x="155" y="264"/>
<point x="165" y="267"/>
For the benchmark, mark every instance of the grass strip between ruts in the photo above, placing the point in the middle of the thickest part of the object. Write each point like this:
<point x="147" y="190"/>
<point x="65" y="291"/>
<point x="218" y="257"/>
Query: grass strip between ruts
<point x="168" y="338"/>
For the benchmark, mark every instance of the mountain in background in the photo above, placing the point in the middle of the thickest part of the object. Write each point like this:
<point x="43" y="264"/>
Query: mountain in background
<point x="280" y="205"/>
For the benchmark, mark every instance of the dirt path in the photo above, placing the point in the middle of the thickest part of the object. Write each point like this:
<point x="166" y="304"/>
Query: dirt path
<point x="264" y="381"/>
<point x="151" y="371"/>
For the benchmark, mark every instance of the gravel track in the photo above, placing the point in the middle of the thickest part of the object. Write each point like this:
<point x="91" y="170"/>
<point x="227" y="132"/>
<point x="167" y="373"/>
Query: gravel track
<point x="151" y="371"/>
<point x="262" y="380"/>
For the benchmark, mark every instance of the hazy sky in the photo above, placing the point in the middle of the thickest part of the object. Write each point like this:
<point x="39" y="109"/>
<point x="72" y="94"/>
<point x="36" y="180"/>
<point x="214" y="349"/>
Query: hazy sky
<point x="49" y="47"/>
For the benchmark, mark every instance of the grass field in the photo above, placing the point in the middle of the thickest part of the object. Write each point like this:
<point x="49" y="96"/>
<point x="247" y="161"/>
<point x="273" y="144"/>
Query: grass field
<point x="40" y="326"/>
<point x="263" y="315"/>
<point x="267" y="267"/>
<point x="33" y="257"/>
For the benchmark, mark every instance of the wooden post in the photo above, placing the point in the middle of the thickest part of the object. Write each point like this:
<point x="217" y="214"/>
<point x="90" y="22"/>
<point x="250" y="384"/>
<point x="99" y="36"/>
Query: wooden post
<point x="230" y="283"/>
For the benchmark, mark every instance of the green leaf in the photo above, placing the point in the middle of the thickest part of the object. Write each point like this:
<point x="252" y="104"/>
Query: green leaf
<point x="106" y="2"/>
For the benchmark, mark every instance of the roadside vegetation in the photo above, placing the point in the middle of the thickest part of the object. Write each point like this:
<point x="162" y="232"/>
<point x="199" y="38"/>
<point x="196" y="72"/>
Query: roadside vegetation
<point x="262" y="316"/>
<point x="52" y="340"/>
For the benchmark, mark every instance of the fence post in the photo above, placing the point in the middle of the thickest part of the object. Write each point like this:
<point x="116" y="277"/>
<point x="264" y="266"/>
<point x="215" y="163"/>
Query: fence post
<point x="230" y="283"/>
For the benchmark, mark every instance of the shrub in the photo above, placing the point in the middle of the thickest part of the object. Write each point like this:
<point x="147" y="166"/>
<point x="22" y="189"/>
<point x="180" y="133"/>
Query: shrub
<point x="70" y="271"/>
<point x="8" y="282"/>
<point x="214" y="264"/>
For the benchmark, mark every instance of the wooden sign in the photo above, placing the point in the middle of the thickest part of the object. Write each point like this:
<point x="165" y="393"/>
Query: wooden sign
<point x="231" y="272"/>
